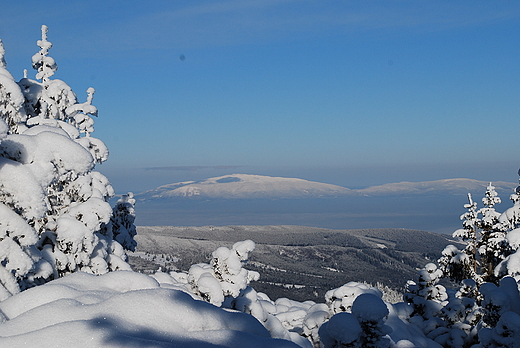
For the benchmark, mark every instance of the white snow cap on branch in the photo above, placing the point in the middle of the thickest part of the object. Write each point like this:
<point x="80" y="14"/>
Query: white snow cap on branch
<point x="45" y="65"/>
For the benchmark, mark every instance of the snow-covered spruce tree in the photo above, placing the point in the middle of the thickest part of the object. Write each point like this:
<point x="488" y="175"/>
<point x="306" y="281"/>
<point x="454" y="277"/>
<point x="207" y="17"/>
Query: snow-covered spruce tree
<point x="122" y="221"/>
<point x="493" y="246"/>
<point x="48" y="183"/>
<point x="12" y="109"/>
<point x="485" y="232"/>
<point x="462" y="264"/>
<point x="510" y="220"/>
<point x="487" y="291"/>
<point x="22" y="201"/>
<point x="511" y="217"/>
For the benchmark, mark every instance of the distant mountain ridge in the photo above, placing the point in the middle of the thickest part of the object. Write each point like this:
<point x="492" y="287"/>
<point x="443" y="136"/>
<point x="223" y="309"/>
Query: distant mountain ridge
<point x="247" y="186"/>
<point x="453" y="186"/>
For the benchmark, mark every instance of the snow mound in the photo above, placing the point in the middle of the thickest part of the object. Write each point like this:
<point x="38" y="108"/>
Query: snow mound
<point x="123" y="309"/>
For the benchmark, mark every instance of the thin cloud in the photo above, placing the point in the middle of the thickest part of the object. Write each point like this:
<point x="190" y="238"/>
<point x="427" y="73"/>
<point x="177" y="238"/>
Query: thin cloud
<point x="185" y="25"/>
<point x="238" y="22"/>
<point x="193" y="168"/>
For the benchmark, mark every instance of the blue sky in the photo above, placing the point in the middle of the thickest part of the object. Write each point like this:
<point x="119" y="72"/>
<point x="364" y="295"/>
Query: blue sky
<point x="353" y="93"/>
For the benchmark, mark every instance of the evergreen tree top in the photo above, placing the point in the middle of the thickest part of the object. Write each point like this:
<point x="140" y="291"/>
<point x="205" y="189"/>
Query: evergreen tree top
<point x="2" y="53"/>
<point x="45" y="65"/>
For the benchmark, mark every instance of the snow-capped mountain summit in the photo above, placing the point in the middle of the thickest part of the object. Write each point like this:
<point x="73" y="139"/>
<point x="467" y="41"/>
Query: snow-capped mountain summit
<point x="246" y="186"/>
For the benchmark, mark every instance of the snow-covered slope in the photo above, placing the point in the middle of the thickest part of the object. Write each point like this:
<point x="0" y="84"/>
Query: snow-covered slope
<point x="259" y="186"/>
<point x="246" y="186"/>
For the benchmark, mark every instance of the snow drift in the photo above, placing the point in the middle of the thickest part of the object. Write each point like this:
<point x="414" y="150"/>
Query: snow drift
<point x="123" y="309"/>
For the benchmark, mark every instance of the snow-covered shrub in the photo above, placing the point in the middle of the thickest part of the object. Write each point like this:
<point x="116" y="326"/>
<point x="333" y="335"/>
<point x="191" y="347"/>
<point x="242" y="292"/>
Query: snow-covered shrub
<point x="405" y="334"/>
<point x="55" y="216"/>
<point x="342" y="298"/>
<point x="371" y="312"/>
<point x="224" y="282"/>
<point x="505" y="334"/>
<point x="342" y="330"/>
<point x="462" y="318"/>
<point x="227" y="267"/>
<point x="315" y="317"/>
<point x="390" y="295"/>
<point x="364" y="327"/>
<point x="499" y="299"/>
<point x="265" y="310"/>
<point x="425" y="295"/>
<point x="249" y="301"/>
<point x="224" y="276"/>
<point x="205" y="284"/>
<point x="427" y="298"/>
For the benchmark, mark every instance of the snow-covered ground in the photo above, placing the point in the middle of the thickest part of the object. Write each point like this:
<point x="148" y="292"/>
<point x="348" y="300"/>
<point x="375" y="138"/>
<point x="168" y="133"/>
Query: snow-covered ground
<point x="129" y="309"/>
<point x="123" y="309"/>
